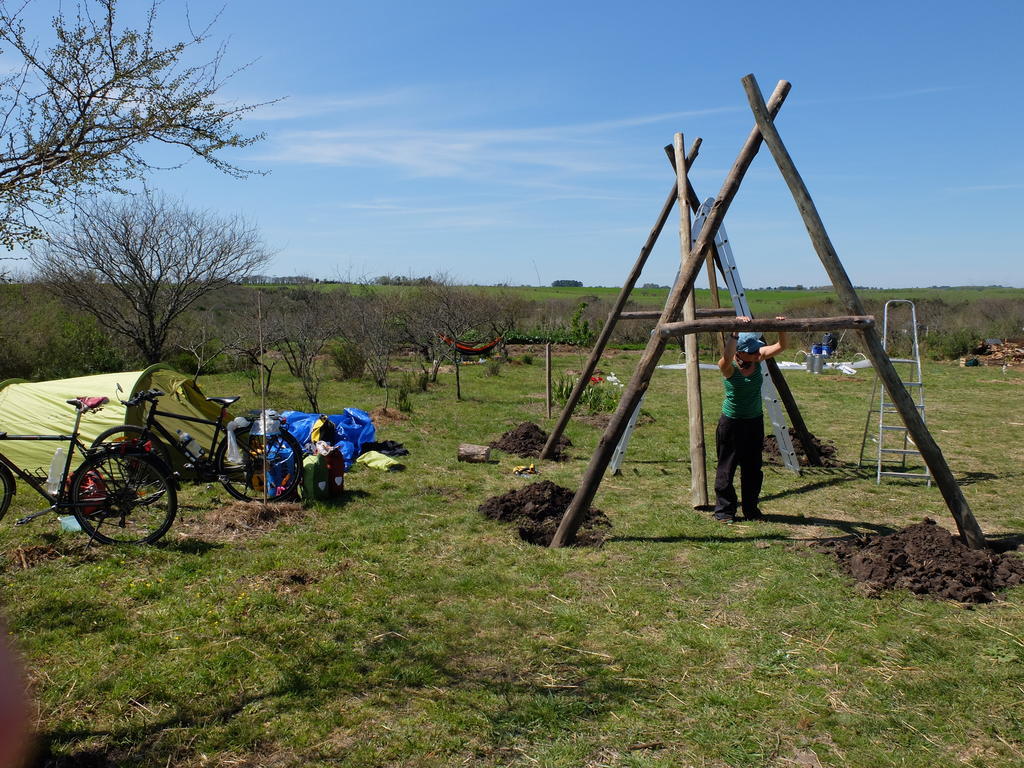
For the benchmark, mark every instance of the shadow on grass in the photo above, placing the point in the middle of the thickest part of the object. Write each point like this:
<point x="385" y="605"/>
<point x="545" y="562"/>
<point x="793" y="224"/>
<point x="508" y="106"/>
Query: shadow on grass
<point x="848" y="527"/>
<point x="190" y="546"/>
<point x="517" y="699"/>
<point x="701" y="539"/>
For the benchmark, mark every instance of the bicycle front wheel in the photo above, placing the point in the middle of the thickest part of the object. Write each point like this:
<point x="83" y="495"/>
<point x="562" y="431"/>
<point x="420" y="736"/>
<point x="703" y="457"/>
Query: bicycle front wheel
<point x="134" y="439"/>
<point x="123" y="499"/>
<point x="270" y="464"/>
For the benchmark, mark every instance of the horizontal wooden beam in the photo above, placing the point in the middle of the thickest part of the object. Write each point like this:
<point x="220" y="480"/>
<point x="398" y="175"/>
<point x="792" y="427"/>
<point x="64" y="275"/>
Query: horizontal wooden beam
<point x="854" y="322"/>
<point x="655" y="314"/>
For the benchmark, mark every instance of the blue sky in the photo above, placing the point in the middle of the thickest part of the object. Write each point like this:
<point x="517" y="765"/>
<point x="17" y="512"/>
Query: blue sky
<point x="521" y="142"/>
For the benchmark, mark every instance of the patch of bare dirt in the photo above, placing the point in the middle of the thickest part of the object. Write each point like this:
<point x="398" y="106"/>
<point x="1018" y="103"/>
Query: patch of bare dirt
<point x="527" y="440"/>
<point x="30" y="557"/>
<point x="240" y="519"/>
<point x="826" y="449"/>
<point x="927" y="560"/>
<point x="537" y="509"/>
<point x="382" y="416"/>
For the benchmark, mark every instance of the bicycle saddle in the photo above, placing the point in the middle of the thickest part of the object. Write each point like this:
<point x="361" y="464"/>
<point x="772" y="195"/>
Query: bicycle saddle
<point x="85" y="404"/>
<point x="225" y="401"/>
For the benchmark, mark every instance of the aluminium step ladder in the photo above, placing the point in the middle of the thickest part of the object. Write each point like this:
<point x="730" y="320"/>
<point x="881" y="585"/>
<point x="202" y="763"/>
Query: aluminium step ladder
<point x="893" y="441"/>
<point x="739" y="302"/>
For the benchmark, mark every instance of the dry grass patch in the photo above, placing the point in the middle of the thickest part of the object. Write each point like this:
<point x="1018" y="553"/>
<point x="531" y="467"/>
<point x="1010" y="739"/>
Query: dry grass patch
<point x="240" y="519"/>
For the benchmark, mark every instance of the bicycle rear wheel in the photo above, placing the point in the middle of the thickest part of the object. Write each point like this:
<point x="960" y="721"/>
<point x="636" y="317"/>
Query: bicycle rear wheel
<point x="123" y="499"/>
<point x="271" y="462"/>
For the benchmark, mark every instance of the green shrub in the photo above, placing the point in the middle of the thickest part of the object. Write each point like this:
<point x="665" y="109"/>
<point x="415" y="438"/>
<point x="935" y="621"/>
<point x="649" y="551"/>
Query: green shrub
<point x="349" y="359"/>
<point x="951" y="344"/>
<point x="492" y="367"/>
<point x="527" y="358"/>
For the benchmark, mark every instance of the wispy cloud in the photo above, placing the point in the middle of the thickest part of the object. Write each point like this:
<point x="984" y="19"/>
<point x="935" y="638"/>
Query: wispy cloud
<point x="573" y="149"/>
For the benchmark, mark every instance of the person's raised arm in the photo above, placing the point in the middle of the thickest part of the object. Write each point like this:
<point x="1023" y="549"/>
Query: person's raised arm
<point x="772" y="350"/>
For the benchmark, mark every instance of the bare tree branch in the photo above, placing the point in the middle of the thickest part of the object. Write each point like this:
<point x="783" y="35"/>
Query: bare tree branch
<point x="76" y="115"/>
<point x="137" y="266"/>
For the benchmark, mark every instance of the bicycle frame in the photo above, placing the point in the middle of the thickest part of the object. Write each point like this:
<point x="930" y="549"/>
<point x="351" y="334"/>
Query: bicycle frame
<point x="171" y="441"/>
<point x="34" y="481"/>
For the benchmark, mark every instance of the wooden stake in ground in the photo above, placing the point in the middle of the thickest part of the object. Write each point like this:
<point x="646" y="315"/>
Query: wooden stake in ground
<point x="694" y="407"/>
<point x="547" y="378"/>
<point x="969" y="529"/>
<point x="613" y="315"/>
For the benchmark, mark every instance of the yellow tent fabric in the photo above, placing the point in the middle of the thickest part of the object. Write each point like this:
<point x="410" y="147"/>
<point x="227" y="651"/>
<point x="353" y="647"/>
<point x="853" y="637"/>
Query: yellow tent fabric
<point x="40" y="408"/>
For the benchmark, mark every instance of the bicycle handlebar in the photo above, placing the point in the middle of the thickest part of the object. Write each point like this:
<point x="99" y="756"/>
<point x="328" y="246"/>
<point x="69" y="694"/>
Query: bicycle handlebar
<point x="150" y="395"/>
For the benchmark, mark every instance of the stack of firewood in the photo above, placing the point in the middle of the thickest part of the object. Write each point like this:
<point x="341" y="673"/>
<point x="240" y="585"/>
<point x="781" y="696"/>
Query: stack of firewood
<point x="1007" y="352"/>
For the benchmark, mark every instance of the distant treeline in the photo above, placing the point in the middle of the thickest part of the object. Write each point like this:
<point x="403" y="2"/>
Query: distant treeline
<point x="42" y="337"/>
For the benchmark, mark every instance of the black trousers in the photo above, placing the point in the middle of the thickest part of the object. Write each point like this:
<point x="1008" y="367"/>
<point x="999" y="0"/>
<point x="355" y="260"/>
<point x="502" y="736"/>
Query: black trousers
<point x="739" y="443"/>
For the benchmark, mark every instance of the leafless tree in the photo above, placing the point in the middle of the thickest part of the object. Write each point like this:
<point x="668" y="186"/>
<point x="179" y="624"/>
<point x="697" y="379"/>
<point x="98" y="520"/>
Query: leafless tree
<point x="199" y="336"/>
<point x="450" y="312"/>
<point x="138" y="264"/>
<point x="303" y="321"/>
<point x="507" y="310"/>
<point x="374" y="326"/>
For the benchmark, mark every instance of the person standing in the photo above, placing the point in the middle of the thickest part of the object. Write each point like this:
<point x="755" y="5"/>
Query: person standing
<point x="740" y="434"/>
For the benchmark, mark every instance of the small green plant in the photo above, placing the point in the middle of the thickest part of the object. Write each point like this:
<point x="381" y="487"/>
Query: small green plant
<point x="414" y="382"/>
<point x="349" y="359"/>
<point x="492" y="367"/>
<point x="599" y="396"/>
<point x="527" y="359"/>
<point x="402" y="400"/>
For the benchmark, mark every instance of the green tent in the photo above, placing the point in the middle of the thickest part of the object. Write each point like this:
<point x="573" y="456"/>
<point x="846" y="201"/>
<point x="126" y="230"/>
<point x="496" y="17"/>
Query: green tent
<point x="40" y="408"/>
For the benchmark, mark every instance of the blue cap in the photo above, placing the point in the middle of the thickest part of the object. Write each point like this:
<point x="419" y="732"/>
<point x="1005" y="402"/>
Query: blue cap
<point x="749" y="342"/>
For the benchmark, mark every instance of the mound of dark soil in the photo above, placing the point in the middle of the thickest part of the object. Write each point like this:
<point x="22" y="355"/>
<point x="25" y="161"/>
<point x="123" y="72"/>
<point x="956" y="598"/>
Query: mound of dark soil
<point x="826" y="449"/>
<point x="537" y="510"/>
<point x="927" y="560"/>
<point x="527" y="440"/>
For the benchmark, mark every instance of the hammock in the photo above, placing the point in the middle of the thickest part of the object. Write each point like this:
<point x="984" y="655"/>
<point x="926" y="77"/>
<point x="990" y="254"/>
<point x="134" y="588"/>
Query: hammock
<point x="466" y="349"/>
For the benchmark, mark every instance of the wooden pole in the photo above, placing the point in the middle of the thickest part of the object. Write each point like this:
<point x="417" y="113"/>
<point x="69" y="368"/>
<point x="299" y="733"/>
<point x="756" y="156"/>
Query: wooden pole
<point x="655" y="314"/>
<point x="694" y="407"/>
<point x="547" y="377"/>
<point x="613" y="315"/>
<point x="656" y="345"/>
<point x="969" y="529"/>
<point x="708" y="324"/>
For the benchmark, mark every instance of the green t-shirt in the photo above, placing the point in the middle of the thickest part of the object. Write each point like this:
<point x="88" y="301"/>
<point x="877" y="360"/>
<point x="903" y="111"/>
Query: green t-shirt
<point x="743" y="394"/>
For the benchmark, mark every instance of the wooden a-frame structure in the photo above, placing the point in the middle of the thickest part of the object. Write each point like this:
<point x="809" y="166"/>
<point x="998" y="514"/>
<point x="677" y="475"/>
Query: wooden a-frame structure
<point x="698" y="487"/>
<point x="691" y="259"/>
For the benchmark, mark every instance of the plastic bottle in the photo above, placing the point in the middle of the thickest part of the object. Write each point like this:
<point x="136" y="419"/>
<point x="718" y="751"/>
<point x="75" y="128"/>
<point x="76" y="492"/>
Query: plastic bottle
<point x="189" y="444"/>
<point x="56" y="470"/>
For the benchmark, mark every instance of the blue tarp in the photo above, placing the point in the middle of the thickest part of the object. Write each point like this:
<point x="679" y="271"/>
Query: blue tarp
<point x="353" y="426"/>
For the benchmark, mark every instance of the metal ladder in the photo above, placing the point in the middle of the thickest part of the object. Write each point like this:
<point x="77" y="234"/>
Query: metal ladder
<point x="739" y="302"/>
<point x="893" y="440"/>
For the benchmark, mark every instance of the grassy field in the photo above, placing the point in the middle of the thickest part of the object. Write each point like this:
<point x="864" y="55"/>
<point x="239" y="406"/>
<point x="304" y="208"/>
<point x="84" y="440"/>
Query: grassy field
<point x="402" y="628"/>
<point x="764" y="301"/>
